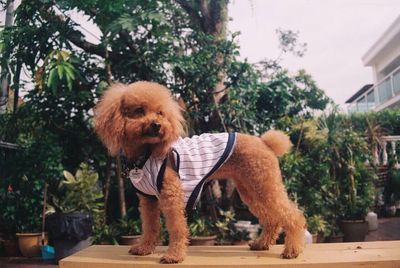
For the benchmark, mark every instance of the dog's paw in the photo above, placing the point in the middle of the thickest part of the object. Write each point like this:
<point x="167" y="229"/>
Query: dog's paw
<point x="258" y="246"/>
<point x="290" y="253"/>
<point x="169" y="259"/>
<point x="140" y="250"/>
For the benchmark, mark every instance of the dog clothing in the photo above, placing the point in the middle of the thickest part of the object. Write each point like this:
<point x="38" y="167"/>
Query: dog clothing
<point x="196" y="159"/>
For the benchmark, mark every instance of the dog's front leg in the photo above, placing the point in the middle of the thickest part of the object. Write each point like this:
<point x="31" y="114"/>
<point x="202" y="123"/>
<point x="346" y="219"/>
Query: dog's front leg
<point x="172" y="207"/>
<point x="150" y="215"/>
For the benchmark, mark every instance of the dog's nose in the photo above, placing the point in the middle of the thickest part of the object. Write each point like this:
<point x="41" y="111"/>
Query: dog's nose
<point x="155" y="126"/>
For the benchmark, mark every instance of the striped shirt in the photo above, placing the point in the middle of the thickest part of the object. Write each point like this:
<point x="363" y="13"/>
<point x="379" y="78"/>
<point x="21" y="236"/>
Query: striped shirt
<point x="196" y="159"/>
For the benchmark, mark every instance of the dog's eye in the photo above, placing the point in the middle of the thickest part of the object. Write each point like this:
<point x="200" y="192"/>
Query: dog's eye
<point x="160" y="113"/>
<point x="139" y="111"/>
<point x="134" y="113"/>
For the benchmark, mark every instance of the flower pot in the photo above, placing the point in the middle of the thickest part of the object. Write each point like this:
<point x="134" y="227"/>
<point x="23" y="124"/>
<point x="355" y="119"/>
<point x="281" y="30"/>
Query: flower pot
<point x="338" y="238"/>
<point x="354" y="231"/>
<point x="29" y="244"/>
<point x="10" y="248"/>
<point x="240" y="242"/>
<point x="314" y="238"/>
<point x="130" y="239"/>
<point x="203" y="240"/>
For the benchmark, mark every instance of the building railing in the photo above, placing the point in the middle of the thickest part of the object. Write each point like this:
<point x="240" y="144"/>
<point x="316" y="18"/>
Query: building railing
<point x="380" y="152"/>
<point x="378" y="95"/>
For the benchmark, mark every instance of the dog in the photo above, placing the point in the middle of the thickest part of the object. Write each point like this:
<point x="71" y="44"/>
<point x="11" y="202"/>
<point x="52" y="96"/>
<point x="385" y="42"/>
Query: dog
<point x="143" y="123"/>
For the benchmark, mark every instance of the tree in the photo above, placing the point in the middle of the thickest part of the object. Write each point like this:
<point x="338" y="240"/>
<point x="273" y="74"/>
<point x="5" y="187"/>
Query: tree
<point x="181" y="44"/>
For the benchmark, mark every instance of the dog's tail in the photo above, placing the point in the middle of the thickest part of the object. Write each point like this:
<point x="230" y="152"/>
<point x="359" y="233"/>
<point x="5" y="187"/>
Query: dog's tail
<point x="278" y="141"/>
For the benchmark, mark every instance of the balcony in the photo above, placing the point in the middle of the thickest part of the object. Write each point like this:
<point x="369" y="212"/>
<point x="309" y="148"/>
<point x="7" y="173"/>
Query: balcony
<point x="384" y="94"/>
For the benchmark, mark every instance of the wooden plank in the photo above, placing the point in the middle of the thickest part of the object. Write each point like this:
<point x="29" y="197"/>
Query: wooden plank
<point x="365" y="254"/>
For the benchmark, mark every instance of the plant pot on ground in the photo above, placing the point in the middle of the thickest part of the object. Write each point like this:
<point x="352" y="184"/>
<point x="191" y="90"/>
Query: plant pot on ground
<point x="354" y="230"/>
<point x="77" y="205"/>
<point x="130" y="231"/>
<point x="21" y="202"/>
<point x="201" y="232"/>
<point x="317" y="227"/>
<point x="334" y="238"/>
<point x="30" y="244"/>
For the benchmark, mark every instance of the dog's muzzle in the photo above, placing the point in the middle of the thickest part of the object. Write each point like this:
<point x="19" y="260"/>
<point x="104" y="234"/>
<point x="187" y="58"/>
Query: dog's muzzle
<point x="154" y="129"/>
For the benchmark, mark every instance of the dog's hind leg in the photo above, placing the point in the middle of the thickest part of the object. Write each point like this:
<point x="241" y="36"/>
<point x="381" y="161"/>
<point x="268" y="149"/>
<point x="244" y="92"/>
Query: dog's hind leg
<point x="271" y="227"/>
<point x="294" y="224"/>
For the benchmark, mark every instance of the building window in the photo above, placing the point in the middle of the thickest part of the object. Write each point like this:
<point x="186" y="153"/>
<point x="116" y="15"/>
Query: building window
<point x="370" y="100"/>
<point x="362" y="104"/>
<point x="396" y="82"/>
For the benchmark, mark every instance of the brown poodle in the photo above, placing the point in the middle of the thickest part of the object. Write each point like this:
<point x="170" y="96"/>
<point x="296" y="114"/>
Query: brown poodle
<point x="143" y="124"/>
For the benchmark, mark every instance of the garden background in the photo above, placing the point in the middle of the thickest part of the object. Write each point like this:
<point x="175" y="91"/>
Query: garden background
<point x="184" y="45"/>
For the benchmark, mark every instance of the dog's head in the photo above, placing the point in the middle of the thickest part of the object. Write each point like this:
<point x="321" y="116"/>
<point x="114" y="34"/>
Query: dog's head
<point x="138" y="114"/>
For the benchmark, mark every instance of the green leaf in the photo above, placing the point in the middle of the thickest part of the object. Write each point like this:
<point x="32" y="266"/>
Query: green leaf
<point x="69" y="177"/>
<point x="60" y="71"/>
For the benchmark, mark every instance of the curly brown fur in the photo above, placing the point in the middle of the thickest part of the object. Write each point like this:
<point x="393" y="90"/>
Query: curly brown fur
<point x="125" y="119"/>
<point x="150" y="214"/>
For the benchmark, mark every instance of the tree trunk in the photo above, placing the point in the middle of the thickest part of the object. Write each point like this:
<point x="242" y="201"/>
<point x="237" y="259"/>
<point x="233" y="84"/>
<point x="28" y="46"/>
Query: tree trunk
<point x="121" y="186"/>
<point x="211" y="17"/>
<point x="107" y="184"/>
<point x="16" y="86"/>
<point x="121" y="189"/>
<point x="4" y="73"/>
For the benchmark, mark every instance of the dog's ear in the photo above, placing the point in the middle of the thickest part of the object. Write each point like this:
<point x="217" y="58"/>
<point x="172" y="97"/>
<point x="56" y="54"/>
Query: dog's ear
<point x="108" y="120"/>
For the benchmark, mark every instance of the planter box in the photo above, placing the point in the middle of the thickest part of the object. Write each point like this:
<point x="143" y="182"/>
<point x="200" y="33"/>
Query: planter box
<point x="130" y="239"/>
<point x="203" y="240"/>
<point x="354" y="231"/>
<point x="30" y="243"/>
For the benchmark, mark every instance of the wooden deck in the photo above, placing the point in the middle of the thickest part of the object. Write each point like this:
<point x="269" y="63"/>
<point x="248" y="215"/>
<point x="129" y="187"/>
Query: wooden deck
<point x="365" y="254"/>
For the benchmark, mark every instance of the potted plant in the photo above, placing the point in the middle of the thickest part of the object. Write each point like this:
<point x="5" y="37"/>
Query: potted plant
<point x="201" y="232"/>
<point x="228" y="233"/>
<point x="130" y="230"/>
<point x="105" y="234"/>
<point x="21" y="211"/>
<point x="75" y="203"/>
<point x="317" y="226"/>
<point x="353" y="180"/>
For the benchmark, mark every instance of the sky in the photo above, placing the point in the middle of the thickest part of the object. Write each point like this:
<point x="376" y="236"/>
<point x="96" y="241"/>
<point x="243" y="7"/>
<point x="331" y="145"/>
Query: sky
<point x="337" y="32"/>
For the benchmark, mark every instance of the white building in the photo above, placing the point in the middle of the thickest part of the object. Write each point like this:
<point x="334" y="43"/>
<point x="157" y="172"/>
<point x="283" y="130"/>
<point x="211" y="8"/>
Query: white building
<point x="384" y="58"/>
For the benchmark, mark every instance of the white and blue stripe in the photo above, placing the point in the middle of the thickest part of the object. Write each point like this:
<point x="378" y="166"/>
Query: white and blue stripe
<point x="197" y="158"/>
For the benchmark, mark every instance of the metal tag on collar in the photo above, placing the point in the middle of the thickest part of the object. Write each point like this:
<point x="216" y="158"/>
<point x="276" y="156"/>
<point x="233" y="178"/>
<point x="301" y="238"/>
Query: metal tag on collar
<point x="135" y="175"/>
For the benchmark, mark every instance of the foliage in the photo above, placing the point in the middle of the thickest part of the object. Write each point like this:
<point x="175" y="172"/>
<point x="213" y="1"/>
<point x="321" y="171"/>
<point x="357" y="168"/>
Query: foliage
<point x="387" y="119"/>
<point x="393" y="188"/>
<point x="316" y="224"/>
<point x="201" y="226"/>
<point x="128" y="226"/>
<point x="21" y="205"/>
<point x="326" y="173"/>
<point x="105" y="234"/>
<point x="227" y="230"/>
<point x="140" y="40"/>
<point x="79" y="193"/>
<point x="23" y="175"/>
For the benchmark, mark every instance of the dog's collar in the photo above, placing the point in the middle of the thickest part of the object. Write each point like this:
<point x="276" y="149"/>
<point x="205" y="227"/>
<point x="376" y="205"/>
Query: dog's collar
<point x="137" y="163"/>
